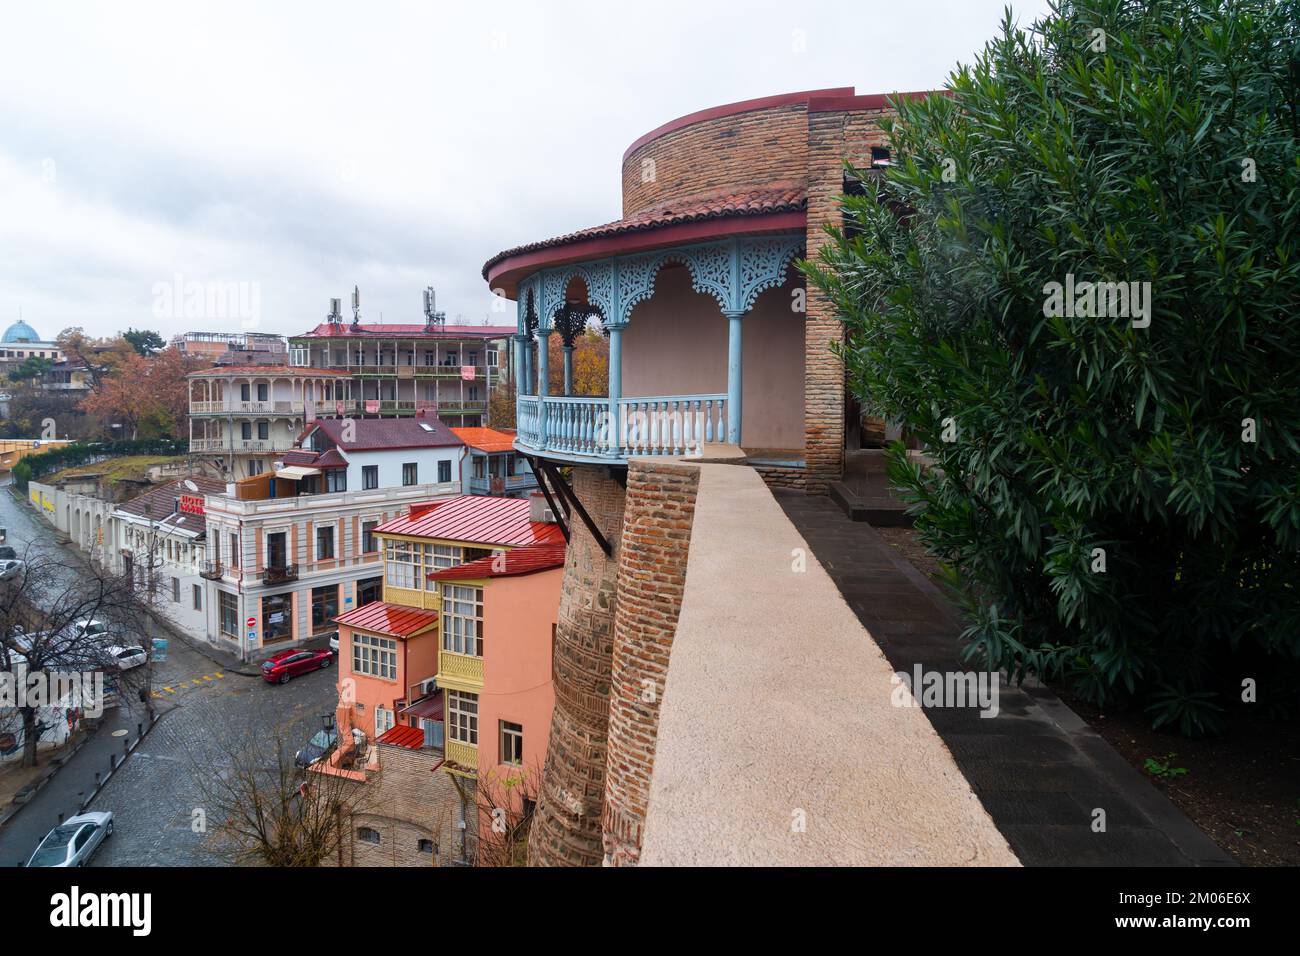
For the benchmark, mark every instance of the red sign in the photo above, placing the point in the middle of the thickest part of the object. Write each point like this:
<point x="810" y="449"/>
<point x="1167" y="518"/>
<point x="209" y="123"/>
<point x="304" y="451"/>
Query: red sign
<point x="467" y="372"/>
<point x="192" y="504"/>
<point x="372" y="407"/>
<point x="252" y="623"/>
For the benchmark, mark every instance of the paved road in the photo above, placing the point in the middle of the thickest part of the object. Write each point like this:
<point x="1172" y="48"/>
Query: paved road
<point x="26" y="529"/>
<point x="154" y="795"/>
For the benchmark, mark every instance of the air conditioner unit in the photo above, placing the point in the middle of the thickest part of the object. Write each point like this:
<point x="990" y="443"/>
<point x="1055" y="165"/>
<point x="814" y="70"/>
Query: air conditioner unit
<point x="428" y="686"/>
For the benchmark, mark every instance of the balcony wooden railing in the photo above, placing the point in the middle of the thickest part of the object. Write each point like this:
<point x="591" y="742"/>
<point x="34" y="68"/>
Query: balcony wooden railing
<point x="580" y="427"/>
<point x="497" y="485"/>
<point x="460" y="671"/>
<point x="462" y="754"/>
<point x="249" y="408"/>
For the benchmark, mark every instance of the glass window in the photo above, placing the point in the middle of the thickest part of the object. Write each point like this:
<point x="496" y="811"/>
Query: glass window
<point x="262" y="392"/>
<point x="198" y="597"/>
<point x="444" y="471"/>
<point x="228" y="610"/>
<point x="263" y="430"/>
<point x="246" y="431"/>
<point x="324" y="608"/>
<point x="462" y="619"/>
<point x="462" y="717"/>
<point x="512" y="743"/>
<point x="324" y="542"/>
<point x="234" y="550"/>
<point x="336" y="479"/>
<point x="176" y="590"/>
<point x="368" y="543"/>
<point x="369" y="476"/>
<point x="376" y="656"/>
<point x="369" y="591"/>
<point x="277" y="617"/>
<point x="410" y="473"/>
<point x="368" y="835"/>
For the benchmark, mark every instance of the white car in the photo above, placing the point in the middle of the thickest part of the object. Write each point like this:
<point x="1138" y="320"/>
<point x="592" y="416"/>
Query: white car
<point x="74" y="842"/>
<point x="126" y="657"/>
<point x="10" y="570"/>
<point x="334" y="642"/>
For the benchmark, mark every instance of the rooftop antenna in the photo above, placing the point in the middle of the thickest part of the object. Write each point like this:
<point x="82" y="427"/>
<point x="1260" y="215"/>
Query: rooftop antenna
<point x="356" y="306"/>
<point x="336" y="312"/>
<point x="432" y="316"/>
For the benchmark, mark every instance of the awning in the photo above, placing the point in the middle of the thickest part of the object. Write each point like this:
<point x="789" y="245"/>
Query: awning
<point x="429" y="707"/>
<point x="296" y="472"/>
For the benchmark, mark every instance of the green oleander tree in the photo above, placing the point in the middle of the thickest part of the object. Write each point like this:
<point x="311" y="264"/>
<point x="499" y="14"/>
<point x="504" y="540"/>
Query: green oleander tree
<point x="1078" y="286"/>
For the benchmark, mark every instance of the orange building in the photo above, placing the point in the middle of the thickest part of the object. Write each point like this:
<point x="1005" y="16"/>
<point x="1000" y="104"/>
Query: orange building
<point x="456" y="657"/>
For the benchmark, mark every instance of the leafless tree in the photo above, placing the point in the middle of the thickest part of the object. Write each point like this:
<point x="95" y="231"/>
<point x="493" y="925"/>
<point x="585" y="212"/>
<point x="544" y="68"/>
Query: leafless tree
<point x="505" y="802"/>
<point x="264" y="810"/>
<point x="45" y="613"/>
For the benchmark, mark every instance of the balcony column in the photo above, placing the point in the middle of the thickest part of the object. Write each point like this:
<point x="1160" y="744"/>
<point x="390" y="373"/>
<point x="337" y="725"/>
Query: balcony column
<point x="543" y="379"/>
<point x="613" y="440"/>
<point x="735" y="374"/>
<point x="526" y="384"/>
<point x="521" y="363"/>
<point x="568" y="369"/>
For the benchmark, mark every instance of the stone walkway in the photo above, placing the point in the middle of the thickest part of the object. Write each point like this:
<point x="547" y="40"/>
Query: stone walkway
<point x="1039" y="770"/>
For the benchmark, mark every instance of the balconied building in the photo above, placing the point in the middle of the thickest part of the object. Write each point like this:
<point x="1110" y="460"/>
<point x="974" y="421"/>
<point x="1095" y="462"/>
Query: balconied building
<point x="455" y="662"/>
<point x="692" y="616"/>
<point x="493" y="466"/>
<point x="395" y="369"/>
<point x="244" y="416"/>
<point x="232" y="348"/>
<point x="294" y="547"/>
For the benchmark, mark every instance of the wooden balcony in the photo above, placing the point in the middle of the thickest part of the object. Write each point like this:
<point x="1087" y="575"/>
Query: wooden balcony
<point x="598" y="430"/>
<point x="461" y="672"/>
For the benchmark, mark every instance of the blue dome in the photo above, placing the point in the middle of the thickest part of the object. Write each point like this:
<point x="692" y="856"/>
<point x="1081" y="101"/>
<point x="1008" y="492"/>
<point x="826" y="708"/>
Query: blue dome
<point x="20" y="331"/>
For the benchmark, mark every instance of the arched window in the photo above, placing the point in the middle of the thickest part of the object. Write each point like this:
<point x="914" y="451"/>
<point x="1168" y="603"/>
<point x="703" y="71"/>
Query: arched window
<point x="368" y="835"/>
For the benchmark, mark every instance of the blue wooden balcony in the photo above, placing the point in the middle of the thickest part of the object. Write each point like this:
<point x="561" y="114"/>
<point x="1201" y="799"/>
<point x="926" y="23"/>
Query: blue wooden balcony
<point x="592" y="429"/>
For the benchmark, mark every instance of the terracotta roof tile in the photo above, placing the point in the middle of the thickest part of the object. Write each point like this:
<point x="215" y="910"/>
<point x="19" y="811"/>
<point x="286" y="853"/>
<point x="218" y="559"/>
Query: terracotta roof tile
<point x="783" y="196"/>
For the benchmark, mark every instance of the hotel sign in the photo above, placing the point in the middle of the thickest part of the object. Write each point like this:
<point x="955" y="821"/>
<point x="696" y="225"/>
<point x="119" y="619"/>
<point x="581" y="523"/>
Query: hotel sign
<point x="192" y="504"/>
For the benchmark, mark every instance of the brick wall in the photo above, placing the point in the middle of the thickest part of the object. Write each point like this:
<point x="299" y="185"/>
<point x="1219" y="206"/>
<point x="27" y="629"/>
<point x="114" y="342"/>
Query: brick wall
<point x="760" y="146"/>
<point x="651" y="578"/>
<point x="566" y="825"/>
<point x="406" y="801"/>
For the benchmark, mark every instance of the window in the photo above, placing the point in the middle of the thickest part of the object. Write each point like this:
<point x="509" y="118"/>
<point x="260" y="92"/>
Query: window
<point x="444" y="471"/>
<point x="198" y="597"/>
<point x="234" y="549"/>
<point x="433" y="730"/>
<point x="369" y="476"/>
<point x="336" y="479"/>
<point x="245" y="392"/>
<point x="383" y="721"/>
<point x="491" y="358"/>
<point x="402" y="565"/>
<point x="262" y="394"/>
<point x="254" y="467"/>
<point x="277" y="616"/>
<point x="228" y="611"/>
<point x="512" y="743"/>
<point x="424" y="846"/>
<point x="368" y="835"/>
<point x="369" y="591"/>
<point x="263" y="431"/>
<point x="462" y="619"/>
<point x="246" y="431"/>
<point x="462" y="717"/>
<point x="473" y="359"/>
<point x="410" y="473"/>
<point x="376" y="656"/>
<point x="324" y="608"/>
<point x="368" y="543"/>
<point x="176" y="590"/>
<point x="324" y="542"/>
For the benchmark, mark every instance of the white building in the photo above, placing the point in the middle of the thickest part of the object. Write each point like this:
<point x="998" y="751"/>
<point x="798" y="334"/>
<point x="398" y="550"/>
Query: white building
<point x="293" y="547"/>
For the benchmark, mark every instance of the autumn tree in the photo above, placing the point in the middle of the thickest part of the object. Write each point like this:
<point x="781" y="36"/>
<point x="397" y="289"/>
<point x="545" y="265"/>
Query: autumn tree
<point x="142" y="391"/>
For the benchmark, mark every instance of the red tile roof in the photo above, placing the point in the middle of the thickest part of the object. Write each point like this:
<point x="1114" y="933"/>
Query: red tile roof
<point x="486" y="439"/>
<point x="377" y="434"/>
<point x="537" y="557"/>
<point x="477" y="519"/>
<point x="782" y="196"/>
<point x="396" y="620"/>
<point x="412" y="738"/>
<point x="418" y="331"/>
<point x="159" y="503"/>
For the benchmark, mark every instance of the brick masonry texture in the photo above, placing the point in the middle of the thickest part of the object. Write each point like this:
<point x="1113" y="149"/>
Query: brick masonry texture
<point x="407" y="801"/>
<point x="745" y="149"/>
<point x="566" y="828"/>
<point x="651" y="578"/>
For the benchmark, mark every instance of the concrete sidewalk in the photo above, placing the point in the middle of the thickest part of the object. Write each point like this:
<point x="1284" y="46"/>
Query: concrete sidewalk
<point x="1040" y="771"/>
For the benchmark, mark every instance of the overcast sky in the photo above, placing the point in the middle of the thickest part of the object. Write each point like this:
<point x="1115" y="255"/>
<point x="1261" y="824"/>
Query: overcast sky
<point x="302" y="148"/>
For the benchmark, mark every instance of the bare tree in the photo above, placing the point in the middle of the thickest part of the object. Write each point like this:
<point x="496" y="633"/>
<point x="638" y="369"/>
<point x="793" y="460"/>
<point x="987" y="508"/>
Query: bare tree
<point x="264" y="810"/>
<point x="57" y="619"/>
<point x="505" y="803"/>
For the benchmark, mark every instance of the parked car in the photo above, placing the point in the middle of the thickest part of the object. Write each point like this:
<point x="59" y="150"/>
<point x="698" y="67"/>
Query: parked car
<point x="73" y="842"/>
<point x="10" y="569"/>
<point x="279" y="668"/>
<point x="125" y="658"/>
<point x="318" y="748"/>
<point x="334" y="642"/>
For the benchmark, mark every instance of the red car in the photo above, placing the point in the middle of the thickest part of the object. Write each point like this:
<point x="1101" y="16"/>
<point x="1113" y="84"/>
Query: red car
<point x="278" y="668"/>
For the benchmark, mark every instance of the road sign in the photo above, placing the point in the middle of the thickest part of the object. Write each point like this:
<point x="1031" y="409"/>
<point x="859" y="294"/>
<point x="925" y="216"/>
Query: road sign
<point x="159" y="650"/>
<point x="252" y="637"/>
<point x="251" y="622"/>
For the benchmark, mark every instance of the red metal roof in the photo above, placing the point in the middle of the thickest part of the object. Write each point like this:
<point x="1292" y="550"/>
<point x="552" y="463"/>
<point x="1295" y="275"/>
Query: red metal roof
<point x="412" y="738"/>
<point x="780" y="196"/>
<point x="395" y="620"/>
<point x="476" y="519"/>
<point x="486" y="439"/>
<point x="417" y="330"/>
<point x="430" y="707"/>
<point x="537" y="557"/>
<point x="240" y="371"/>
